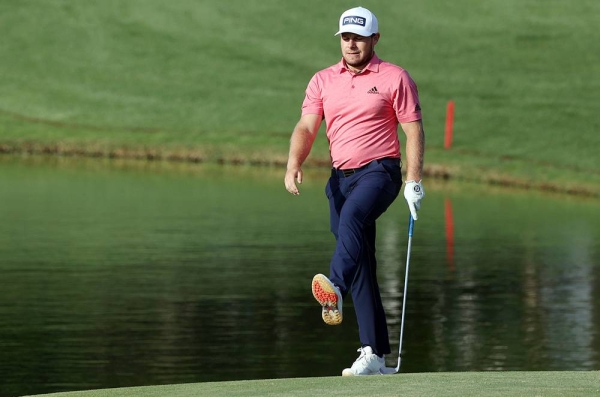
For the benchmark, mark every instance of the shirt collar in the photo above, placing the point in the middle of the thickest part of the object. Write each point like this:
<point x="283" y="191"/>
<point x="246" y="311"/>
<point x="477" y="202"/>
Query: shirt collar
<point x="372" y="66"/>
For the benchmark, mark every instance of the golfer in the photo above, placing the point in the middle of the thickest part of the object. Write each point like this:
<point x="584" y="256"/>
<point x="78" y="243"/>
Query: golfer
<point x="362" y="100"/>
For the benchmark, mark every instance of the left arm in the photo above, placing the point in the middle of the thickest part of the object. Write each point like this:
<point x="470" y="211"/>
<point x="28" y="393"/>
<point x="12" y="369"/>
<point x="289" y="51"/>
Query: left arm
<point x="414" y="149"/>
<point x="414" y="152"/>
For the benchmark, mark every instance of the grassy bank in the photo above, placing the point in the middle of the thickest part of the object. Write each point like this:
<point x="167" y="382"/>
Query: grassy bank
<point x="223" y="81"/>
<point x="563" y="384"/>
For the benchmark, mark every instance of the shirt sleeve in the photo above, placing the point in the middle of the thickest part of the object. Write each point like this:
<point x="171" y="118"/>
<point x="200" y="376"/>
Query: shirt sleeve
<point x="313" y="100"/>
<point x="406" y="101"/>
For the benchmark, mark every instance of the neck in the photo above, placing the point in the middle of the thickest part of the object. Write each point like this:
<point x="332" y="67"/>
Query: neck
<point x="360" y="68"/>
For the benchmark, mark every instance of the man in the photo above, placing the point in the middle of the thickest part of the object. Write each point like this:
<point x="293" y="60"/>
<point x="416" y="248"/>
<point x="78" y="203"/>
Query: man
<point x="362" y="100"/>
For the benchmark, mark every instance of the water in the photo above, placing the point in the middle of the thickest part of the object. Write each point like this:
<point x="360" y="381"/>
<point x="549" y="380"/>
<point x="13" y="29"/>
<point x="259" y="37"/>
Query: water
<point x="116" y="274"/>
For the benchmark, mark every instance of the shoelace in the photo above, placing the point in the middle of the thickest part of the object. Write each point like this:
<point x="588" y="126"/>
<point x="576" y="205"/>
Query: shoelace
<point x="362" y="353"/>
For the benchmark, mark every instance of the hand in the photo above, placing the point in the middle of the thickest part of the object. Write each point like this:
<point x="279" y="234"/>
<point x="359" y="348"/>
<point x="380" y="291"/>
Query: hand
<point x="414" y="193"/>
<point x="290" y="176"/>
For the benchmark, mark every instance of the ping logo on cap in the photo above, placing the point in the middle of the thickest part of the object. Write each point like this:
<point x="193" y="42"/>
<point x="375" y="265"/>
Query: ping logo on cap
<point x="353" y="20"/>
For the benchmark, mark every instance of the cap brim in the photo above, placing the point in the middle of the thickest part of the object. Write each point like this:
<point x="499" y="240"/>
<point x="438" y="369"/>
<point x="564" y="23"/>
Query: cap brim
<point x="358" y="31"/>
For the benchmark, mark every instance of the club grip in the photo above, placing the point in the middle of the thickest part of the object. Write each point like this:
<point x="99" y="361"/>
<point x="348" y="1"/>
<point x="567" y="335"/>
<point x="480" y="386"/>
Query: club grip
<point x="411" y="224"/>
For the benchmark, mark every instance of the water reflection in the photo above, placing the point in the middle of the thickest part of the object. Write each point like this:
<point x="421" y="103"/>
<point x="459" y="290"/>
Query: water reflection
<point x="129" y="273"/>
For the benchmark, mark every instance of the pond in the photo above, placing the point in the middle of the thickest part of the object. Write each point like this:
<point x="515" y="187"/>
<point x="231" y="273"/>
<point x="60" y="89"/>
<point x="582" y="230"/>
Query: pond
<point x="116" y="274"/>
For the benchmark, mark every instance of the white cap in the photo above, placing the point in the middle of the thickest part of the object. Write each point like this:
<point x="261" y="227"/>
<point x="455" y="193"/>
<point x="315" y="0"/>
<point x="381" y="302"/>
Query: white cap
<point x="360" y="21"/>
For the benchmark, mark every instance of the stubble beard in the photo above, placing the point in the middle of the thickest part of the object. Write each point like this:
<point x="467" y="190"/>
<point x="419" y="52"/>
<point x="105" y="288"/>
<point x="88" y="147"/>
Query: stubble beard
<point x="362" y="62"/>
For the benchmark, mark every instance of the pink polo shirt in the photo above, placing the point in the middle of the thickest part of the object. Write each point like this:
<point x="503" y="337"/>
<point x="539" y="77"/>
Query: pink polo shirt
<point x="362" y="111"/>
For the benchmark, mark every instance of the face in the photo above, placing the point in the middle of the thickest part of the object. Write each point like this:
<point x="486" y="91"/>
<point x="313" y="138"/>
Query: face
<point x="358" y="50"/>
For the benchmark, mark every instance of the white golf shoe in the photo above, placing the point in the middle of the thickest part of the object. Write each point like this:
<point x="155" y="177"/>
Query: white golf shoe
<point x="367" y="363"/>
<point x="329" y="297"/>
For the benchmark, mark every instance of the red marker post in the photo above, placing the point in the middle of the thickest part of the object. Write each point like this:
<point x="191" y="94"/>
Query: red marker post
<point x="449" y="125"/>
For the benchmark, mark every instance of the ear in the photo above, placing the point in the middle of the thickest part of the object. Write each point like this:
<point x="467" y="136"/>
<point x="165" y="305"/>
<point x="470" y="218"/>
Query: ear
<point x="376" y="37"/>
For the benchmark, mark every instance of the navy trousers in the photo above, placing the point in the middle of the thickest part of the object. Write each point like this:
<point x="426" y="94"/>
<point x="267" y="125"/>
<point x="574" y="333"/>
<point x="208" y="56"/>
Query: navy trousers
<point x="356" y="200"/>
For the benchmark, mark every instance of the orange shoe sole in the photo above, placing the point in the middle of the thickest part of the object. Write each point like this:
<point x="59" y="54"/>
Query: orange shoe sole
<point x="325" y="293"/>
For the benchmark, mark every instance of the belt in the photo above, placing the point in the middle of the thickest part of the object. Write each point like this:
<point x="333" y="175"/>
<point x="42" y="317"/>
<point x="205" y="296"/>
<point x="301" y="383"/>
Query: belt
<point x="351" y="171"/>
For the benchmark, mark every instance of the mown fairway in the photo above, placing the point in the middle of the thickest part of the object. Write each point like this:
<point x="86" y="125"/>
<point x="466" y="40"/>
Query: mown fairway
<point x="547" y="384"/>
<point x="224" y="80"/>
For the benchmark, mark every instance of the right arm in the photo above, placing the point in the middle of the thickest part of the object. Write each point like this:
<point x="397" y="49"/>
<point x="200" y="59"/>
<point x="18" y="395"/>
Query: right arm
<point x="301" y="143"/>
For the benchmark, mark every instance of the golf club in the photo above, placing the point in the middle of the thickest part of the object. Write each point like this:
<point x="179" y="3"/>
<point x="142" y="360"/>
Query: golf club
<point x="391" y="370"/>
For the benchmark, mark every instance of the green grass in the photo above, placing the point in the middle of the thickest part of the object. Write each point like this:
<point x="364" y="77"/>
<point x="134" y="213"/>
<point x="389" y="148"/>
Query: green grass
<point x="460" y="384"/>
<point x="223" y="81"/>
